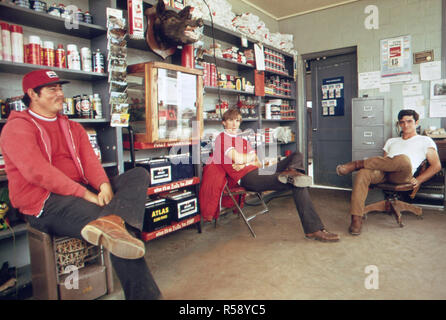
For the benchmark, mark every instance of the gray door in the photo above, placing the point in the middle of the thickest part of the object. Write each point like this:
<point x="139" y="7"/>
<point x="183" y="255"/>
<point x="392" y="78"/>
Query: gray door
<point x="332" y="117"/>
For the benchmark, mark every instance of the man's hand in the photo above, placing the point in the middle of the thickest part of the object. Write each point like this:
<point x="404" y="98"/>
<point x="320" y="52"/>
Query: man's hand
<point x="105" y="194"/>
<point x="238" y="167"/>
<point x="415" y="183"/>
<point x="90" y="196"/>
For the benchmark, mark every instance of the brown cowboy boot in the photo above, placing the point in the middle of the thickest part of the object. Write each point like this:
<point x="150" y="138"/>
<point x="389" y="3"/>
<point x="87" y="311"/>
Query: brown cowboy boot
<point x="355" y="226"/>
<point x="349" y="167"/>
<point x="110" y="232"/>
<point x="296" y="178"/>
<point x="323" y="235"/>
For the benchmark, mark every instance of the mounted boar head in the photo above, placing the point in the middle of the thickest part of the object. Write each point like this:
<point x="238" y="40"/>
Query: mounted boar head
<point x="166" y="29"/>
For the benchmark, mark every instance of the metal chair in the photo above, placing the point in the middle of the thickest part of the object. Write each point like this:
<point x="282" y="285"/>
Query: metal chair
<point x="239" y="191"/>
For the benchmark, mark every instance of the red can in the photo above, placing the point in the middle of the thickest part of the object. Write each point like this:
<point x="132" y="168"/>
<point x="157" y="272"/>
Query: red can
<point x="60" y="61"/>
<point x="33" y="53"/>
<point x="187" y="56"/>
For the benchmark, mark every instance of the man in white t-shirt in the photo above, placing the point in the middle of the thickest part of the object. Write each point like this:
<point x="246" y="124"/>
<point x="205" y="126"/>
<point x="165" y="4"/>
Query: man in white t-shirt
<point x="401" y="159"/>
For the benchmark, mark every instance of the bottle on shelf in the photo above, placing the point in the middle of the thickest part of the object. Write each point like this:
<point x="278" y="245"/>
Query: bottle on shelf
<point x="97" y="106"/>
<point x="6" y="42"/>
<point x="73" y="57"/>
<point x="98" y="62"/>
<point x="86" y="59"/>
<point x="32" y="50"/>
<point x="48" y="53"/>
<point x="60" y="58"/>
<point x="17" y="43"/>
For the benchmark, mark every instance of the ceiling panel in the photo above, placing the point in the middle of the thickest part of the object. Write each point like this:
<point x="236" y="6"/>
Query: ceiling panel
<point x="281" y="9"/>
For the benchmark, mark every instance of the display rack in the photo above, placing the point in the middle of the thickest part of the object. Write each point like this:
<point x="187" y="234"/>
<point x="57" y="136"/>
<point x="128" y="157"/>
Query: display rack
<point x="175" y="226"/>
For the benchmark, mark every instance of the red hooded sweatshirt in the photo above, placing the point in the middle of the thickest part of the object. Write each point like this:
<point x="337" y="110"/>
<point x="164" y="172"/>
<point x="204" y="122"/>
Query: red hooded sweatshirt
<point x="26" y="149"/>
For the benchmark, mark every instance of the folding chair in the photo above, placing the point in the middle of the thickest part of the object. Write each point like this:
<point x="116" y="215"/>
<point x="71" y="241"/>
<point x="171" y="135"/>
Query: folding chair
<point x="240" y="191"/>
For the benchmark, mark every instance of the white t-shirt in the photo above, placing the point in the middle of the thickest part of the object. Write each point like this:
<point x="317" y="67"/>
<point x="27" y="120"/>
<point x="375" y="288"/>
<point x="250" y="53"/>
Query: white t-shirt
<point x="415" y="148"/>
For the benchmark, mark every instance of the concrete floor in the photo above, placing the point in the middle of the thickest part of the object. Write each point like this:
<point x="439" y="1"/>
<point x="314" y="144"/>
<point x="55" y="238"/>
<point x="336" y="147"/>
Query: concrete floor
<point x="228" y="263"/>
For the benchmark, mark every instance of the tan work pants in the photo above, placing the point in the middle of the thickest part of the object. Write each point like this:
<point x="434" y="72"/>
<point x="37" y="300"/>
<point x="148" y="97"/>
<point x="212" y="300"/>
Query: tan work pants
<point x="377" y="170"/>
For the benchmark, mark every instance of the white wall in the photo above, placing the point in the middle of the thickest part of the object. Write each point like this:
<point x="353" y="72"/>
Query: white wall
<point x="343" y="26"/>
<point x="239" y="7"/>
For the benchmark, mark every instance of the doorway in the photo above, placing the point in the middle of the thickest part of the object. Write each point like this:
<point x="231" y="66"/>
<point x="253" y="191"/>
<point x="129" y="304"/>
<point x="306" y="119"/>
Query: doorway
<point x="330" y="84"/>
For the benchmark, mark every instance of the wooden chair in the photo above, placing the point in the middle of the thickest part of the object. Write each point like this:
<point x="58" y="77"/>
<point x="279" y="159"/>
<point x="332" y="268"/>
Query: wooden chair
<point x="240" y="192"/>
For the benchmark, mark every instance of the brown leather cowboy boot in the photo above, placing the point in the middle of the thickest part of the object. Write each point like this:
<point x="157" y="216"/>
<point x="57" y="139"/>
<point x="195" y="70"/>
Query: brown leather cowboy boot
<point x="349" y="167"/>
<point x="356" y="225"/>
<point x="110" y="232"/>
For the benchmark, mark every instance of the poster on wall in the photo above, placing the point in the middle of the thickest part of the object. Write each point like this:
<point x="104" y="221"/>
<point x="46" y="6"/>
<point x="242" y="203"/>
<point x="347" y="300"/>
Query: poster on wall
<point x="396" y="59"/>
<point x="437" y="105"/>
<point x="332" y="103"/>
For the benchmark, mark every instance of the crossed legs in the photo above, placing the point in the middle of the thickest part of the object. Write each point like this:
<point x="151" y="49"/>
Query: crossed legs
<point x="372" y="171"/>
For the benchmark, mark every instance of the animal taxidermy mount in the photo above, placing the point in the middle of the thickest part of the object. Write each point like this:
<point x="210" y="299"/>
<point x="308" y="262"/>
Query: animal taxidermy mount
<point x="167" y="29"/>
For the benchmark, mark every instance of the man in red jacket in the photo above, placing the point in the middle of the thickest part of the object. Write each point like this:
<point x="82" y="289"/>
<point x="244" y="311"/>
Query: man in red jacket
<point x="56" y="180"/>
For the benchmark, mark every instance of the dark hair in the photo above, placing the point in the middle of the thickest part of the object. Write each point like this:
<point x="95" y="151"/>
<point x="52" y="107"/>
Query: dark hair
<point x="27" y="100"/>
<point x="232" y="113"/>
<point x="408" y="112"/>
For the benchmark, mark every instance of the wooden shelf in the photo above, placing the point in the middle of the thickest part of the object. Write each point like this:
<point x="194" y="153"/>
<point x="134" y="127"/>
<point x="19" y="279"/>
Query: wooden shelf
<point x="173" y="185"/>
<point x="243" y="120"/>
<point x="280" y="74"/>
<point x="226" y="91"/>
<point x="80" y="120"/>
<point x="147" y="236"/>
<point x="279" y="96"/>
<point x="278" y="120"/>
<point x="30" y="18"/>
<point x="23" y="68"/>
<point x="227" y="63"/>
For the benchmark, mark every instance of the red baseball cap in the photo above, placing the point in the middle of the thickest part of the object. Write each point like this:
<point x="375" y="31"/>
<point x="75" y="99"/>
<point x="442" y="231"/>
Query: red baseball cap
<point x="40" y="78"/>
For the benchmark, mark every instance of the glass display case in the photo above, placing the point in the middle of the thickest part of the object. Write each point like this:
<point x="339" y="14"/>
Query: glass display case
<point x="165" y="102"/>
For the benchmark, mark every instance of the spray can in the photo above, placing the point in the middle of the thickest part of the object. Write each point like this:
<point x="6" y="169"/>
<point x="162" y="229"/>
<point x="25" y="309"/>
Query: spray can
<point x="86" y="59"/>
<point x="33" y="50"/>
<point x="17" y="43"/>
<point x="6" y="41"/>
<point x="73" y="58"/>
<point x="60" y="59"/>
<point x="98" y="62"/>
<point x="48" y="53"/>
